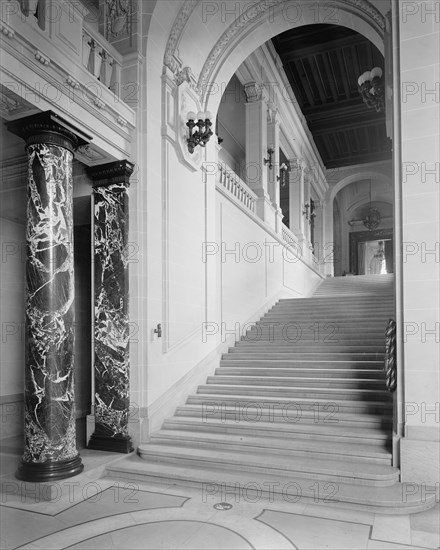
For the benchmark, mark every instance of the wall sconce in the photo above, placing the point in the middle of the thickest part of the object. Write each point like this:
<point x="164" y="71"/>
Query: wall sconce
<point x="268" y="161"/>
<point x="203" y="133"/>
<point x="283" y="171"/>
<point x="371" y="88"/>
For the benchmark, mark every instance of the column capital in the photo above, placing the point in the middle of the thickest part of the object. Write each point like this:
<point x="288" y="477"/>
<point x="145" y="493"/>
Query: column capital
<point x="48" y="127"/>
<point x="255" y="92"/>
<point x="297" y="163"/>
<point x="112" y="173"/>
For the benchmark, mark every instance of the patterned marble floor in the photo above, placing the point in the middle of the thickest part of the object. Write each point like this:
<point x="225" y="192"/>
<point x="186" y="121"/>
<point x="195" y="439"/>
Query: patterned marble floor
<point x="91" y="512"/>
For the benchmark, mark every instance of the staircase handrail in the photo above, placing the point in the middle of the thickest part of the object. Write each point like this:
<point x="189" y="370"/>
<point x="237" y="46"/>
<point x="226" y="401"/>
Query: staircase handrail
<point x="390" y="365"/>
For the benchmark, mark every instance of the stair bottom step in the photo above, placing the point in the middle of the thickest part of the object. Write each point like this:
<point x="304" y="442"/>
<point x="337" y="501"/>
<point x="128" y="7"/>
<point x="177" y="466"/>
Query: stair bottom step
<point x="339" y="471"/>
<point x="230" y="486"/>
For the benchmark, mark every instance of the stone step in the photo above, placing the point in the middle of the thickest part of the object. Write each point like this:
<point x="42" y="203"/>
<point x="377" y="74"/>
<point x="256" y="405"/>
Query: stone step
<point x="303" y="345"/>
<point x="301" y="403"/>
<point x="243" y="486"/>
<point x="336" y="471"/>
<point x="291" y="424"/>
<point x="357" y="319"/>
<point x="234" y="360"/>
<point x="266" y="415"/>
<point x="349" y="451"/>
<point x="324" y="355"/>
<point x="298" y="392"/>
<point x="283" y="381"/>
<point x="303" y="373"/>
<point x="310" y="334"/>
<point x="318" y="322"/>
<point x="308" y="304"/>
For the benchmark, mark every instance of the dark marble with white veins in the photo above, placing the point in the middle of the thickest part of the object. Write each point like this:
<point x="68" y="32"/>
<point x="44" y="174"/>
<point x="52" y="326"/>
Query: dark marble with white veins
<point x="111" y="310"/>
<point x="49" y="386"/>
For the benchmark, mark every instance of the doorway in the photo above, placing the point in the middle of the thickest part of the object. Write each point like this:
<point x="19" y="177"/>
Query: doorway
<point x="372" y="252"/>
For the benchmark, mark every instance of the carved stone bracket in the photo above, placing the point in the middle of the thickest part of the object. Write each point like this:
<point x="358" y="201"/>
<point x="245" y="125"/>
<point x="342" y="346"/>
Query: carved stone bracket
<point x="253" y="91"/>
<point x="185" y="75"/>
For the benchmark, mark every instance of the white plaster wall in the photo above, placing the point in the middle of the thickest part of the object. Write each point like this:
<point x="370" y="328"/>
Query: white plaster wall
<point x="12" y="236"/>
<point x="255" y="267"/>
<point x="232" y="126"/>
<point x="420" y="62"/>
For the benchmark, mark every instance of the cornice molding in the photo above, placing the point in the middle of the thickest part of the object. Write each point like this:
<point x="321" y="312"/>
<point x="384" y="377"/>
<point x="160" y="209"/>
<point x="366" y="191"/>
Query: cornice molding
<point x="105" y="175"/>
<point x="48" y="127"/>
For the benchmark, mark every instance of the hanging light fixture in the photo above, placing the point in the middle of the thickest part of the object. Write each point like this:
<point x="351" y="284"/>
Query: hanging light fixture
<point x="372" y="219"/>
<point x="380" y="252"/>
<point x="371" y="88"/>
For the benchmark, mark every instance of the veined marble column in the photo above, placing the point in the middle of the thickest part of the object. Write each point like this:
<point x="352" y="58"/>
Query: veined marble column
<point x="112" y="400"/>
<point x="50" y="448"/>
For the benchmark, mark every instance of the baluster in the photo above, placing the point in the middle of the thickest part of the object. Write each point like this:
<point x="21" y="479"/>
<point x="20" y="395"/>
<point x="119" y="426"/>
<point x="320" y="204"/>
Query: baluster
<point x="96" y="58"/>
<point x="87" y="46"/>
<point x="106" y="68"/>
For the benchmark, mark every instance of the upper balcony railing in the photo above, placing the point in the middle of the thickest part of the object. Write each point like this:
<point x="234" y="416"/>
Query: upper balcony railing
<point x="64" y="24"/>
<point x="236" y="187"/>
<point x="101" y="59"/>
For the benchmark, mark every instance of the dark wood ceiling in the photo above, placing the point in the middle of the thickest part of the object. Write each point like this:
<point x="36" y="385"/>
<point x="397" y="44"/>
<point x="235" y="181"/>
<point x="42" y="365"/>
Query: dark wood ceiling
<point x="323" y="63"/>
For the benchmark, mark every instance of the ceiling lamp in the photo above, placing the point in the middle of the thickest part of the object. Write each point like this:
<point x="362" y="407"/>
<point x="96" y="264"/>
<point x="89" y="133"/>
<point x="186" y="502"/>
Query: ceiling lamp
<point x="372" y="219"/>
<point x="371" y="88"/>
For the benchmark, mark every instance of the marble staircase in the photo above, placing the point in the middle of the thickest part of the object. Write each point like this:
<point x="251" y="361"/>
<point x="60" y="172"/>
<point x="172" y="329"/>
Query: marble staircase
<point x="298" y="409"/>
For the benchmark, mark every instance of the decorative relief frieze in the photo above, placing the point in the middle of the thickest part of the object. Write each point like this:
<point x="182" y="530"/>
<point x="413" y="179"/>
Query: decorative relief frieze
<point x="7" y="31"/>
<point x="118" y="22"/>
<point x="180" y="22"/>
<point x="43" y="59"/>
<point x="121" y="121"/>
<point x="98" y="103"/>
<point x="72" y="82"/>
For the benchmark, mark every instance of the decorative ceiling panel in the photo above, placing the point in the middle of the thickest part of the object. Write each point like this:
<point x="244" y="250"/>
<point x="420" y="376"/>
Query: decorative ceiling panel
<point x="323" y="63"/>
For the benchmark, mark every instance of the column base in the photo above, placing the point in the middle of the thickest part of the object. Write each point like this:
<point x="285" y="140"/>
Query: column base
<point x="112" y="444"/>
<point x="50" y="470"/>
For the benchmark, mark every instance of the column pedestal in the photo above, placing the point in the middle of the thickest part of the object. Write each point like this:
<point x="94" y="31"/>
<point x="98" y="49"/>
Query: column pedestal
<point x="50" y="438"/>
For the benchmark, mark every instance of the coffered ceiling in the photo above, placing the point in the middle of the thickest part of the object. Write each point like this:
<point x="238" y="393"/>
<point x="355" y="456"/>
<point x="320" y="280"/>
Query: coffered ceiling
<point x="323" y="63"/>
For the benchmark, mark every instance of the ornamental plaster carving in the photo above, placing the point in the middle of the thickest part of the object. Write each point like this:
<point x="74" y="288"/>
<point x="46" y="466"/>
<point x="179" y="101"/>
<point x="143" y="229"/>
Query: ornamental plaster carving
<point x="118" y="18"/>
<point x="170" y="59"/>
<point x="253" y="91"/>
<point x="185" y="75"/>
